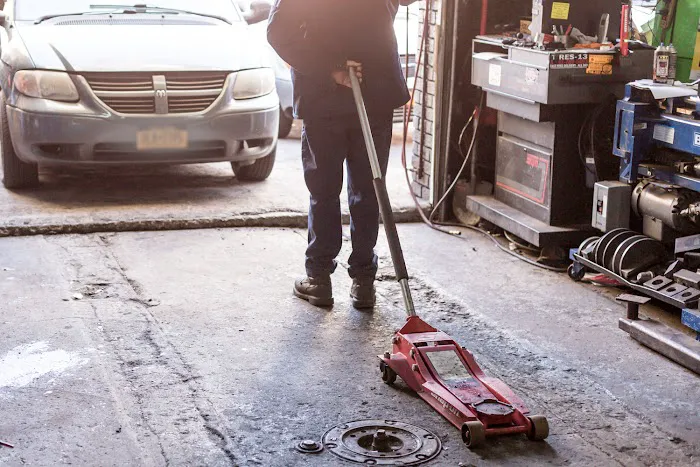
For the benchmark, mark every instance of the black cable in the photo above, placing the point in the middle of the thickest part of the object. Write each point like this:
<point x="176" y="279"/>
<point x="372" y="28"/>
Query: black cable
<point x="476" y="116"/>
<point x="461" y="135"/>
<point x="519" y="245"/>
<point x="581" y="154"/>
<point x="503" y="248"/>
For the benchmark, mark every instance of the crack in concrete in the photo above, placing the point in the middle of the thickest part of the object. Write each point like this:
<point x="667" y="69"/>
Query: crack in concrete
<point x="188" y="377"/>
<point x="132" y="380"/>
<point x="157" y="370"/>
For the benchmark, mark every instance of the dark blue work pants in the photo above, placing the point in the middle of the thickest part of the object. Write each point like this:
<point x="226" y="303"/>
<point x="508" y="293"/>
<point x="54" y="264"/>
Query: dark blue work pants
<point x="326" y="144"/>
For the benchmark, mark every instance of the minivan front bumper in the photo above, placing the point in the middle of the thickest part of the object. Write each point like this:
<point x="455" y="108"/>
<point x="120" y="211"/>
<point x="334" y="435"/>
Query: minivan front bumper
<point x="90" y="132"/>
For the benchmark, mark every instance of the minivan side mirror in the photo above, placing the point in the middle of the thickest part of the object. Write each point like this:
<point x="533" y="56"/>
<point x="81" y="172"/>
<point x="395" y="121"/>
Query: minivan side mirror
<point x="259" y="11"/>
<point x="2" y="18"/>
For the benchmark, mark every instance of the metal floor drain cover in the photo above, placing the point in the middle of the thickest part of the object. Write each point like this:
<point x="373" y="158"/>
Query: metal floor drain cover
<point x="382" y="442"/>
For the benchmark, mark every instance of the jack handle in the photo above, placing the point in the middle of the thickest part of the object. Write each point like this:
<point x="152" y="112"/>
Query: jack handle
<point x="382" y="196"/>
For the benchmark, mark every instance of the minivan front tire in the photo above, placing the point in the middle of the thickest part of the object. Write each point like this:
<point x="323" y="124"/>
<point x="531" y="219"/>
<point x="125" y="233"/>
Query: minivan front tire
<point x="285" y="124"/>
<point x="258" y="170"/>
<point x="16" y="173"/>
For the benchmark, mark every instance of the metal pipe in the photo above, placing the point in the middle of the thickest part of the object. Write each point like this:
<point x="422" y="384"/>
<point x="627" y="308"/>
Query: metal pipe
<point x="382" y="196"/>
<point x="407" y="298"/>
<point x="364" y="123"/>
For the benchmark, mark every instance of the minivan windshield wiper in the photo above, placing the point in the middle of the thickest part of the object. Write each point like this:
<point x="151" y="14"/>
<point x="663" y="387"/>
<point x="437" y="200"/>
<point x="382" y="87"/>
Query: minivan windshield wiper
<point x="79" y="13"/>
<point x="129" y="9"/>
<point x="142" y="8"/>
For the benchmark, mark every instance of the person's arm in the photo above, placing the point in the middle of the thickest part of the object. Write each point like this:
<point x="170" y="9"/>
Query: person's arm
<point x="288" y="34"/>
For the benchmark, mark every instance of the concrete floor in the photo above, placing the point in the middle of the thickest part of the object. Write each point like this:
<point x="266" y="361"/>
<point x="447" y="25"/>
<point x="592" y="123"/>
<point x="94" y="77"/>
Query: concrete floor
<point x="187" y="348"/>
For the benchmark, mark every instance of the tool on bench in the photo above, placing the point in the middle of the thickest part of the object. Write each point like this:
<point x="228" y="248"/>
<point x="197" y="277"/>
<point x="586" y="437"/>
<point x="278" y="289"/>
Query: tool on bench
<point x="443" y="373"/>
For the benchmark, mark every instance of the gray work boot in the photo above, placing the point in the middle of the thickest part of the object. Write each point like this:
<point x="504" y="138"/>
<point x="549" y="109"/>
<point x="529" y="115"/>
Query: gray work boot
<point x="316" y="290"/>
<point x="363" y="293"/>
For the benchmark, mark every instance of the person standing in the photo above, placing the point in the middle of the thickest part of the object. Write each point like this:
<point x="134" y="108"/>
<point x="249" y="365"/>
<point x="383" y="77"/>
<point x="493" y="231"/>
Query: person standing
<point x="320" y="40"/>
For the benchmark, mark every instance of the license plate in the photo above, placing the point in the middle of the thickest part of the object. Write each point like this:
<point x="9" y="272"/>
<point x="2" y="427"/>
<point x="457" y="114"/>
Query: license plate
<point x="161" y="138"/>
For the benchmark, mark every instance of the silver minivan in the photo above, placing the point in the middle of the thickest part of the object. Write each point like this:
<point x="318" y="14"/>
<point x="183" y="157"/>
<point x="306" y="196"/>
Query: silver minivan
<point x="175" y="81"/>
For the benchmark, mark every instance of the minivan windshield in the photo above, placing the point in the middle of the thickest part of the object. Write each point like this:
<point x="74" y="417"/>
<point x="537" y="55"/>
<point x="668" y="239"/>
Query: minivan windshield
<point x="31" y="10"/>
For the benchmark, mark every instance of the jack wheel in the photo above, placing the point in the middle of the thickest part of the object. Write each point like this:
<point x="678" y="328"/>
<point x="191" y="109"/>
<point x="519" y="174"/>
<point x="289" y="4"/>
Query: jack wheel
<point x="388" y="375"/>
<point x="576" y="272"/>
<point x="473" y="434"/>
<point x="539" y="429"/>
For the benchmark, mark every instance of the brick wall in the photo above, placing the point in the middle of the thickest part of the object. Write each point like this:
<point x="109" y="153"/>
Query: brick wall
<point x="424" y="118"/>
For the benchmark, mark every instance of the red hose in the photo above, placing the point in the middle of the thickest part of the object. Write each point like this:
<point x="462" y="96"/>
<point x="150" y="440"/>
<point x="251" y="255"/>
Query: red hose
<point x="484" y="17"/>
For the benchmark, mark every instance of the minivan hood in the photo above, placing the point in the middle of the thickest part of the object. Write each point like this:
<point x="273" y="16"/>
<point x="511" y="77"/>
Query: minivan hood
<point x="170" y="47"/>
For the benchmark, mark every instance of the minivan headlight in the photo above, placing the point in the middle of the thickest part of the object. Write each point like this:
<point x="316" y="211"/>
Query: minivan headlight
<point x="250" y="84"/>
<point x="52" y="85"/>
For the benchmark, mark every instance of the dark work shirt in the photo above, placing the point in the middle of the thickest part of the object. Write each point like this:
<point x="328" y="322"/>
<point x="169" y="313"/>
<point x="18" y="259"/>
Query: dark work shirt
<point x="316" y="37"/>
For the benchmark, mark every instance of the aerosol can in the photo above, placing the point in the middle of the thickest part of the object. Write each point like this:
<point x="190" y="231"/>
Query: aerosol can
<point x="662" y="59"/>
<point x="672" y="64"/>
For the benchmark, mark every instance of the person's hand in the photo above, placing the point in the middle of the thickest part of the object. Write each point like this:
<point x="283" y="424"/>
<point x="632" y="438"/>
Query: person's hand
<point x="342" y="77"/>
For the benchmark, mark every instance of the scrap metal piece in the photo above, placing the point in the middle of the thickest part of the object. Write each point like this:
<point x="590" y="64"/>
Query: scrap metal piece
<point x="690" y="243"/>
<point x="687" y="278"/>
<point x="7" y="445"/>
<point x="637" y="254"/>
<point x="620" y="250"/>
<point x="674" y="267"/>
<point x="692" y="260"/>
<point x="587" y="248"/>
<point x="612" y="245"/>
<point x="658" y="283"/>
<point x="688" y="297"/>
<point x="309" y="446"/>
<point x="673" y="290"/>
<point x="602" y="243"/>
<point x="382" y="442"/>
<point x="673" y="344"/>
<point x="633" y="302"/>
<point x="645" y="276"/>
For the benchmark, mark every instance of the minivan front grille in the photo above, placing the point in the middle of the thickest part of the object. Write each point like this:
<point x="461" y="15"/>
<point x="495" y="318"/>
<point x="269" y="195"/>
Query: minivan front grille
<point x="183" y="81"/>
<point x="131" y="105"/>
<point x="184" y="104"/>
<point x="120" y="82"/>
<point x="137" y="93"/>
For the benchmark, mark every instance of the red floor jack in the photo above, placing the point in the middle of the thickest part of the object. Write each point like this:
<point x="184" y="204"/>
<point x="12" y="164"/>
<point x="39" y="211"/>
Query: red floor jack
<point x="431" y="363"/>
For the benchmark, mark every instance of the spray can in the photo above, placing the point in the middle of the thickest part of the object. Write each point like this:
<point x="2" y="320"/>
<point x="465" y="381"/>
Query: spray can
<point x="661" y="64"/>
<point x="672" y="64"/>
<point x="624" y="31"/>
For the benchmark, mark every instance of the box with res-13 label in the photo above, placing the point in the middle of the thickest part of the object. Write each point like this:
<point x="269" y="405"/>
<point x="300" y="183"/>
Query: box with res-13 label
<point x="538" y="77"/>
